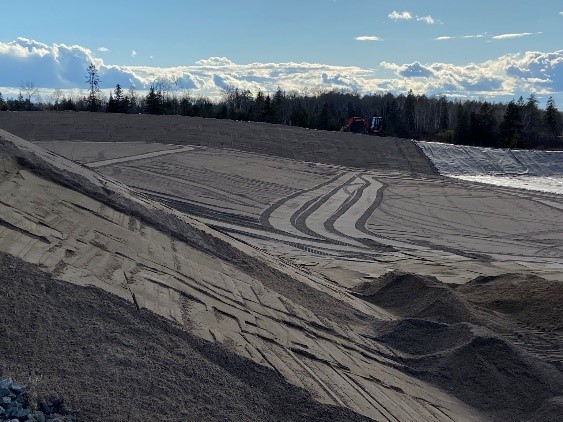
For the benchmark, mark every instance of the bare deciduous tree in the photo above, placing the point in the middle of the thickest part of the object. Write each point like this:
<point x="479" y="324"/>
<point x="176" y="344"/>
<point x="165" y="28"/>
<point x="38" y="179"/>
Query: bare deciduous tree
<point x="30" y="91"/>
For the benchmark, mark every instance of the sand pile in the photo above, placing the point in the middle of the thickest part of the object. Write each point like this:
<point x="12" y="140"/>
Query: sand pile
<point x="503" y="380"/>
<point x="528" y="299"/>
<point x="445" y="340"/>
<point x="415" y="296"/>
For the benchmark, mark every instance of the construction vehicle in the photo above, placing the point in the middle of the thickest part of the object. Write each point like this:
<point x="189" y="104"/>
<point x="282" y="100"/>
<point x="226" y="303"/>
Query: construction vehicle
<point x="359" y="125"/>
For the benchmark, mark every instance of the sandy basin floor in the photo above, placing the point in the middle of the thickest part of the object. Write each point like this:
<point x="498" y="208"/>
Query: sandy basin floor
<point x="347" y="220"/>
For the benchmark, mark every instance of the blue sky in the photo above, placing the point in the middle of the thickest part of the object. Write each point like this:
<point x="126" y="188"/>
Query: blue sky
<point x="482" y="49"/>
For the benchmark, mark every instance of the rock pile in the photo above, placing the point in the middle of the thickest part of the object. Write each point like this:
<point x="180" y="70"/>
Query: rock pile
<point x="15" y="406"/>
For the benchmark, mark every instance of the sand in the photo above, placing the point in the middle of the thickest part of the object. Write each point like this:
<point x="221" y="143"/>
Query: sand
<point x="278" y="259"/>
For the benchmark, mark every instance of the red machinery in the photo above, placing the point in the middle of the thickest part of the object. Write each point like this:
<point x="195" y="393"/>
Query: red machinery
<point x="359" y="125"/>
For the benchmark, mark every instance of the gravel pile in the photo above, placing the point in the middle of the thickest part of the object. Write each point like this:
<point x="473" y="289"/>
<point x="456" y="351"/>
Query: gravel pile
<point x="16" y="407"/>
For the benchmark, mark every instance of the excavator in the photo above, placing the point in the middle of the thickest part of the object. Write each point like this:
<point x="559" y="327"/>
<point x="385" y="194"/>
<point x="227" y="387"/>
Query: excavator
<point x="360" y="125"/>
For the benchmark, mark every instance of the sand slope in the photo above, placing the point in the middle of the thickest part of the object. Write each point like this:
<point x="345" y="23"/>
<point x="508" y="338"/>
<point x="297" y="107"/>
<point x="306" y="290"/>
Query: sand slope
<point x="400" y="347"/>
<point x="300" y="325"/>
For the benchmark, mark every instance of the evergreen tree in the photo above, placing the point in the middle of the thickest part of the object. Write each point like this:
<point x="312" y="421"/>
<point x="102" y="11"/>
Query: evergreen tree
<point x="483" y="126"/>
<point x="324" y="117"/>
<point x="268" y="109"/>
<point x="391" y="120"/>
<point x="299" y="117"/>
<point x="185" y="106"/>
<point x="277" y="107"/>
<point x="121" y="100"/>
<point x="223" y="112"/>
<point x="531" y="123"/>
<point x="552" y="118"/>
<point x="93" y="81"/>
<point x="410" y="104"/>
<point x="259" y="107"/>
<point x="153" y="101"/>
<point x="443" y="114"/>
<point x="2" y="103"/>
<point x="112" y="104"/>
<point x="511" y="126"/>
<point x="20" y="102"/>
<point x="462" y="132"/>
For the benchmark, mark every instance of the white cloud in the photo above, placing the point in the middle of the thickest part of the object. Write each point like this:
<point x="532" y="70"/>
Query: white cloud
<point x="133" y="53"/>
<point x="367" y="38"/>
<point x="560" y="13"/>
<point x="215" y="61"/>
<point x="489" y="37"/>
<point x="63" y="66"/>
<point x="103" y="49"/>
<point x="399" y="16"/>
<point x="511" y="36"/>
<point x="426" y="19"/>
<point x="474" y="36"/>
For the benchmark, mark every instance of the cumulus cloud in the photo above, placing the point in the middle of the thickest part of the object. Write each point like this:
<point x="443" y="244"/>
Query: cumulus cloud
<point x="133" y="53"/>
<point x="215" y="61"/>
<point x="506" y="76"/>
<point x="103" y="49"/>
<point x="426" y="19"/>
<point x="407" y="16"/>
<point x="415" y="70"/>
<point x="56" y="65"/>
<point x="64" y="66"/>
<point x="367" y="38"/>
<point x="399" y="16"/>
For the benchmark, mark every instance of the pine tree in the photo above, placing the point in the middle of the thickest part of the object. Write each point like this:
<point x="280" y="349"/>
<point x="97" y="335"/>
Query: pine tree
<point x="112" y="105"/>
<point x="259" y="106"/>
<point x="552" y="118"/>
<point x="462" y="131"/>
<point x="531" y="123"/>
<point x="277" y="107"/>
<point x="93" y="81"/>
<point x="153" y="101"/>
<point x="511" y="126"/>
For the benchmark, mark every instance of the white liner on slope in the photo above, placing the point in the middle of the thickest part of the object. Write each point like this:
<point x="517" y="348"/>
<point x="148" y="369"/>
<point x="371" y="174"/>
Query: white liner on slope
<point x="524" y="169"/>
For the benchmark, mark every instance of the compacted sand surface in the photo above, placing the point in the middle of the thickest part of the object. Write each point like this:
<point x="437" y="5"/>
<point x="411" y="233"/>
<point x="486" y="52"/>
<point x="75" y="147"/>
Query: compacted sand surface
<point x="235" y="256"/>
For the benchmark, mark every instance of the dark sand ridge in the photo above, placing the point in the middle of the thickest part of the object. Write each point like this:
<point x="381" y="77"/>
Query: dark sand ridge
<point x="452" y="342"/>
<point x="282" y="141"/>
<point x="113" y="363"/>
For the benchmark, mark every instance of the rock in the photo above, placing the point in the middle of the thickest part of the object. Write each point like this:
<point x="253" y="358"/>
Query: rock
<point x="22" y="413"/>
<point x="39" y="416"/>
<point x="6" y="382"/>
<point x="17" y="388"/>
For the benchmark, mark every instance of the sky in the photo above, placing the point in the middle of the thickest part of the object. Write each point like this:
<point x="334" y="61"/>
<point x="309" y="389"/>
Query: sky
<point x="493" y="50"/>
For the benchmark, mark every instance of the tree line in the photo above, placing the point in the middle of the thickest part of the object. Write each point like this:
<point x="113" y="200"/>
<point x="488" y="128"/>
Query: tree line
<point x="519" y="124"/>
